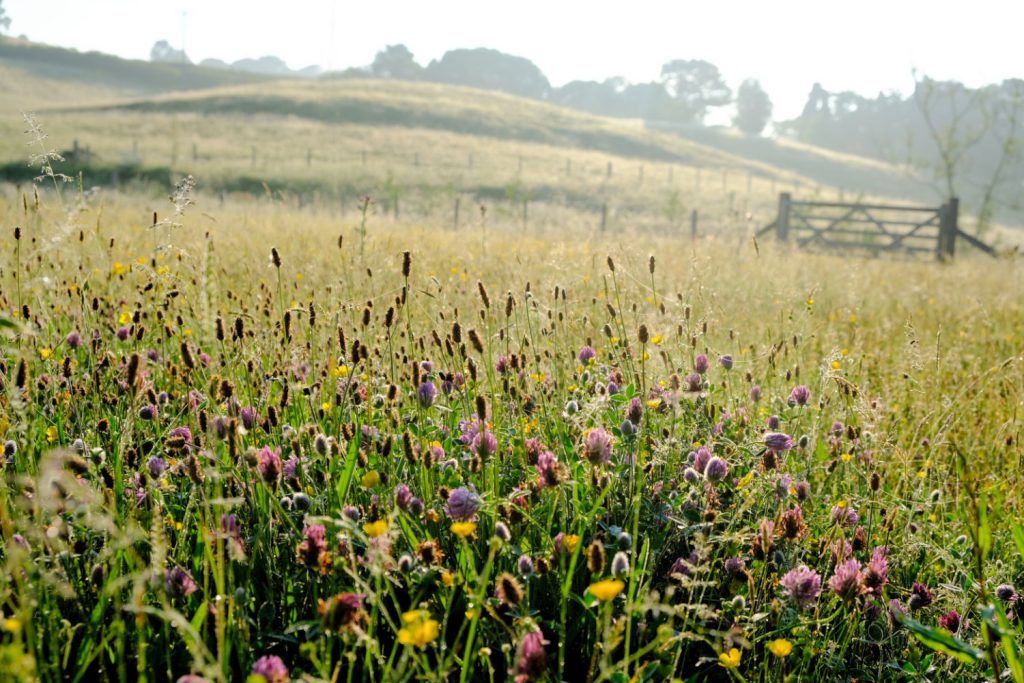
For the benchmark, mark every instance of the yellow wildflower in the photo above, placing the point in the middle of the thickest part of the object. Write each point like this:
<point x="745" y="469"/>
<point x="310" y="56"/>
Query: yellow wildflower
<point x="780" y="647"/>
<point x="419" y="630"/>
<point x="463" y="529"/>
<point x="730" y="659"/>
<point x="51" y="433"/>
<point x="606" y="590"/>
<point x="570" y="541"/>
<point x="325" y="406"/>
<point x="12" y="625"/>
<point x="370" y="479"/>
<point x="375" y="529"/>
<point x="45" y="353"/>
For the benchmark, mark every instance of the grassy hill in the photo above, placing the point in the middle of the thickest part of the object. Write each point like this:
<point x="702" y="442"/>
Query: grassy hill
<point x="419" y="148"/>
<point x="104" y="73"/>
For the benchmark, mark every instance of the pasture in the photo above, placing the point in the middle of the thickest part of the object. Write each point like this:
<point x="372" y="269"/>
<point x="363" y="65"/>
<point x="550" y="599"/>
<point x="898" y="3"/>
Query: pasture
<point x="345" y="447"/>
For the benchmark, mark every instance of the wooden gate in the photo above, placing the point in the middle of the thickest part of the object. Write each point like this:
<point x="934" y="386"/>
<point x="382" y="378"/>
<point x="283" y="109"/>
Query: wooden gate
<point x="876" y="228"/>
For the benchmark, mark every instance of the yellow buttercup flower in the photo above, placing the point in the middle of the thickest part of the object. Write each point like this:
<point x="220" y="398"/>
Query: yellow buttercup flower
<point x="780" y="647"/>
<point x="45" y="353"/>
<point x="375" y="529"/>
<point x="370" y="479"/>
<point x="51" y="433"/>
<point x="606" y="590"/>
<point x="463" y="529"/>
<point x="570" y="541"/>
<point x="419" y="630"/>
<point x="730" y="659"/>
<point x="12" y="625"/>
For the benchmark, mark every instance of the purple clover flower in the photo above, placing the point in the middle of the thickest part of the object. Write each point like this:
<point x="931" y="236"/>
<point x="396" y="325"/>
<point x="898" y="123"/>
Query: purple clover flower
<point x="462" y="504"/>
<point x="802" y="586"/>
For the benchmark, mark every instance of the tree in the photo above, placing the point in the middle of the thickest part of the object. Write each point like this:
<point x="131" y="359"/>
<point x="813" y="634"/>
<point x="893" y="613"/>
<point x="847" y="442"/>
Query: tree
<point x="695" y="86"/>
<point x="490" y="70"/>
<point x="396" y="61"/>
<point x="163" y="52"/>
<point x="5" y="21"/>
<point x="753" y="108"/>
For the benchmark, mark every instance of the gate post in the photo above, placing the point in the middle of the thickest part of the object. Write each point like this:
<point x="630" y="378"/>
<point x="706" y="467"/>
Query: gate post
<point x="782" y="224"/>
<point x="948" y="219"/>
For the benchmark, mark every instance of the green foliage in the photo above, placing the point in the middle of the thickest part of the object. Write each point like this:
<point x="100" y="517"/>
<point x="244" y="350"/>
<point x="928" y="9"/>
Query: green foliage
<point x="694" y="86"/>
<point x="753" y="108"/>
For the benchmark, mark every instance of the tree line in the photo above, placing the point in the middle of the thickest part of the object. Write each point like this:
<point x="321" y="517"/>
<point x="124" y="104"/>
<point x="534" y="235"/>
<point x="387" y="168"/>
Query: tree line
<point x="687" y="90"/>
<point x="960" y="141"/>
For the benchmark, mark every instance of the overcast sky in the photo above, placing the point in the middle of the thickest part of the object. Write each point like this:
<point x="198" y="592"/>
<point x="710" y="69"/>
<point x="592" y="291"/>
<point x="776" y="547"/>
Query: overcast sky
<point x="865" y="45"/>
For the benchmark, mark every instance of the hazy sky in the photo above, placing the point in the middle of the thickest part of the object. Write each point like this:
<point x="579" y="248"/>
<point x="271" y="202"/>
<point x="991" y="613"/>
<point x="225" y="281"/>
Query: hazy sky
<point x="864" y="45"/>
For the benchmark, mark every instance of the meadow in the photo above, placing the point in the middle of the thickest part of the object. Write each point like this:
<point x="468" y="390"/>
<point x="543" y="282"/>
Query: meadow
<point x="245" y="437"/>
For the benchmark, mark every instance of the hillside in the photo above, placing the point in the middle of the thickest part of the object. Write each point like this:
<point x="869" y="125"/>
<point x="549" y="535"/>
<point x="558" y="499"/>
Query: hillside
<point x="854" y="173"/>
<point x="105" y="73"/>
<point x="421" y="144"/>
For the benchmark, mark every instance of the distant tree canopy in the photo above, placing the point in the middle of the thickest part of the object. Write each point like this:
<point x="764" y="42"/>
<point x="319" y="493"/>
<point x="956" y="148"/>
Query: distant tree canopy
<point x="960" y="140"/>
<point x="491" y="70"/>
<point x="753" y="108"/>
<point x="163" y="52"/>
<point x="396" y="61"/>
<point x="5" y="21"/>
<point x="694" y="86"/>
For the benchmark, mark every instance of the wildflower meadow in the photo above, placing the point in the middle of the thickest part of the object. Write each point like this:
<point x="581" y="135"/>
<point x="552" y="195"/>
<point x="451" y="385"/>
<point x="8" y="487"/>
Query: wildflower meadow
<point x="244" y="441"/>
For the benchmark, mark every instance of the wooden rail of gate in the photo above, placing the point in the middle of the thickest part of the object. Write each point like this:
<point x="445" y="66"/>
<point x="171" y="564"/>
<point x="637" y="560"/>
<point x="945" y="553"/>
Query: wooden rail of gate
<point x="878" y="228"/>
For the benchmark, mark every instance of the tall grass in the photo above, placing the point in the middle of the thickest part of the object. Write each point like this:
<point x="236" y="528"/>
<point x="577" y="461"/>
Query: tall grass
<point x="238" y="442"/>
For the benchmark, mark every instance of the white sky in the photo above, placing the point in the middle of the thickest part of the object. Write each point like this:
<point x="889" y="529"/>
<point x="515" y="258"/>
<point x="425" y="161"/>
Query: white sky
<point x="861" y="45"/>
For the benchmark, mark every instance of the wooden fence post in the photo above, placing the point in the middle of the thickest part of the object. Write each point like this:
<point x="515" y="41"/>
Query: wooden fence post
<point x="782" y="224"/>
<point x="455" y="217"/>
<point x="693" y="224"/>
<point x="948" y="219"/>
